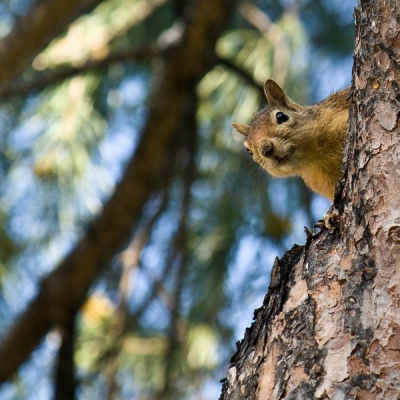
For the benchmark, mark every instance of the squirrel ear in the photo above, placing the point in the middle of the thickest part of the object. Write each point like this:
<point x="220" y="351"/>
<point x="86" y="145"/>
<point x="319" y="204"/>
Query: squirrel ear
<point x="277" y="97"/>
<point x="241" y="128"/>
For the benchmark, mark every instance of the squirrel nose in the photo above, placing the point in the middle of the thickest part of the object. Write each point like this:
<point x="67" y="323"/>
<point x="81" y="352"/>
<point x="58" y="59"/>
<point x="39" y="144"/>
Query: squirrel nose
<point x="267" y="149"/>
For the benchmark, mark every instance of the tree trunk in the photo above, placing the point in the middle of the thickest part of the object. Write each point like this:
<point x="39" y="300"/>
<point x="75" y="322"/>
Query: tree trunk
<point x="329" y="327"/>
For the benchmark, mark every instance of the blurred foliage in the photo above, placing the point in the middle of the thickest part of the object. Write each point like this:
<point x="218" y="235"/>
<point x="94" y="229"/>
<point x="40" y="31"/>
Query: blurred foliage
<point x="70" y="129"/>
<point x="165" y="328"/>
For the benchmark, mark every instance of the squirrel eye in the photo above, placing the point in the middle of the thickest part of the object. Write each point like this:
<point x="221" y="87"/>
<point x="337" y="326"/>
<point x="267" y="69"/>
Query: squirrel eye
<point x="281" y="117"/>
<point x="249" y="151"/>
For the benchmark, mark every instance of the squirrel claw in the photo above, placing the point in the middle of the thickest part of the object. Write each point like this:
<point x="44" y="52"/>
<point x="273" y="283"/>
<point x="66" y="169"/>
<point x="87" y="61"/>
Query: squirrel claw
<point x="329" y="221"/>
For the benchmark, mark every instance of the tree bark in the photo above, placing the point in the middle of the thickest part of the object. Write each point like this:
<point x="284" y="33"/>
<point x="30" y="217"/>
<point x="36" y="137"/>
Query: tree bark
<point x="329" y="327"/>
<point x="64" y="290"/>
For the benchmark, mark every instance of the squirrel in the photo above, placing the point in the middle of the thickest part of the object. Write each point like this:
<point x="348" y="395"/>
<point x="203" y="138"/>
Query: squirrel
<point x="288" y="139"/>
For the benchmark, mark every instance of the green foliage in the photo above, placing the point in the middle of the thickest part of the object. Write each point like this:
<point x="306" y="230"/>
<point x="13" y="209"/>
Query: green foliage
<point x="71" y="127"/>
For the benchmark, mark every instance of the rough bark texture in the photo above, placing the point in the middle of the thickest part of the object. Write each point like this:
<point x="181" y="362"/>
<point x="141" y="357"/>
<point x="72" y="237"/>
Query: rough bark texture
<point x="64" y="290"/>
<point x="330" y="324"/>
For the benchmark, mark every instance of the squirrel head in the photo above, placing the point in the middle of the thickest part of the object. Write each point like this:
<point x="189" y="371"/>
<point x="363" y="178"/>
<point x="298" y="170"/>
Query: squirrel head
<point x="278" y="136"/>
<point x="288" y="139"/>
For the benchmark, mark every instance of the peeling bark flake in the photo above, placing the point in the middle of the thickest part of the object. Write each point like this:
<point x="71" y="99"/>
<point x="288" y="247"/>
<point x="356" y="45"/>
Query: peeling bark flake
<point x="297" y="295"/>
<point x="267" y="380"/>
<point x="386" y="115"/>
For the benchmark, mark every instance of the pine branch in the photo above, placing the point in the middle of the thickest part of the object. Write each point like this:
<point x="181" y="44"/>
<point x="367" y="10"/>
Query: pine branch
<point x="246" y="76"/>
<point x="65" y="381"/>
<point x="44" y="21"/>
<point x="65" y="289"/>
<point x="53" y="77"/>
<point x="180" y="255"/>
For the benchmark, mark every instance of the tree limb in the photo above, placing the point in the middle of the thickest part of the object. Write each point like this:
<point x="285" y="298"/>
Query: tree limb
<point x="247" y="77"/>
<point x="65" y="289"/>
<point x="44" y="21"/>
<point x="65" y="381"/>
<point x="52" y="77"/>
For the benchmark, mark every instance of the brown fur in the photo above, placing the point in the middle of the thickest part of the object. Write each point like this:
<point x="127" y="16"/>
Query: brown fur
<point x="309" y="144"/>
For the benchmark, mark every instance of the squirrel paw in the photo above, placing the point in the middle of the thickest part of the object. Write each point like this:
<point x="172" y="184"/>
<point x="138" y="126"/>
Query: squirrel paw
<point x="329" y="221"/>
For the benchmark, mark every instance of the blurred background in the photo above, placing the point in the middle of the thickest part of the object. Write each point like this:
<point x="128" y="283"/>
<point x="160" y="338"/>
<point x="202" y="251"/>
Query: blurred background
<point x="161" y="320"/>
